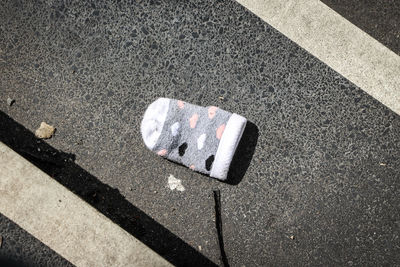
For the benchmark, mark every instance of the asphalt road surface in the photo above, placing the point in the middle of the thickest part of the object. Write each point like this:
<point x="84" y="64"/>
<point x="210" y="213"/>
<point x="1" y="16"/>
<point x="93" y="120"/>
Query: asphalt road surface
<point x="323" y="182"/>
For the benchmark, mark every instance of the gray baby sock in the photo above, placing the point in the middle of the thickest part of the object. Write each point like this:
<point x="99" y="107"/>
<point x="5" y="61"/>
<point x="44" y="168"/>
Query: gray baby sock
<point x="201" y="138"/>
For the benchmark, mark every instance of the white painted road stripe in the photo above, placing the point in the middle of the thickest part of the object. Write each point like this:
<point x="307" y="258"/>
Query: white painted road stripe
<point x="63" y="221"/>
<point x="337" y="42"/>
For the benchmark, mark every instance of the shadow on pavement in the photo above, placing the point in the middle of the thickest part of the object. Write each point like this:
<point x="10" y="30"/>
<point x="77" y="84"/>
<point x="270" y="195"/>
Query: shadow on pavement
<point x="107" y="200"/>
<point x="243" y="155"/>
<point x="11" y="263"/>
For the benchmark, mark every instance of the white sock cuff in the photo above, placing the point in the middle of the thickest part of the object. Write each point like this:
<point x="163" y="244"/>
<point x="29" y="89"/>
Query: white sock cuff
<point x="227" y="146"/>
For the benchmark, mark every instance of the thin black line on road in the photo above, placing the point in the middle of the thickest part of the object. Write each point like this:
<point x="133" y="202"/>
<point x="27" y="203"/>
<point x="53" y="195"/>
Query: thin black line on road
<point x="218" y="224"/>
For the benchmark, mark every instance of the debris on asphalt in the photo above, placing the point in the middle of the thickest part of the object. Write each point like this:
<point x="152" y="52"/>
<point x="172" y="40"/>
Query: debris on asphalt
<point x="200" y="248"/>
<point x="45" y="131"/>
<point x="382" y="164"/>
<point x="175" y="183"/>
<point x="221" y="98"/>
<point x="291" y="237"/>
<point x="10" y="101"/>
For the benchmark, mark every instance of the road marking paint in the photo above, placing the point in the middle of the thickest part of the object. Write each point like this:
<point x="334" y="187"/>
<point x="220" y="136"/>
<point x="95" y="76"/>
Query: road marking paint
<point x="337" y="42"/>
<point x="71" y="227"/>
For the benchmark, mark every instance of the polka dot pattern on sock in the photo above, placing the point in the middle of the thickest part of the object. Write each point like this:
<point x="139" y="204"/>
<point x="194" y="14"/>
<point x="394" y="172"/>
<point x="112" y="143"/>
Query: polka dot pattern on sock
<point x="212" y="111"/>
<point x="191" y="135"/>
<point x="175" y="128"/>
<point x="193" y="120"/>
<point x="220" y="131"/>
<point x="182" y="149"/>
<point x="162" y="152"/>
<point x="181" y="104"/>
<point x="200" y="141"/>
<point x="209" y="162"/>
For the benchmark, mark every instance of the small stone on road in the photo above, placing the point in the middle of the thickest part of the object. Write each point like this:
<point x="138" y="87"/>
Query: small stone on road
<point x="45" y="131"/>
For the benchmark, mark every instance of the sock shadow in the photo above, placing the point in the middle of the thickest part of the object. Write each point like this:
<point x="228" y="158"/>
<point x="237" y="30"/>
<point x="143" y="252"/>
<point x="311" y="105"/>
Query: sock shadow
<point x="105" y="199"/>
<point x="243" y="155"/>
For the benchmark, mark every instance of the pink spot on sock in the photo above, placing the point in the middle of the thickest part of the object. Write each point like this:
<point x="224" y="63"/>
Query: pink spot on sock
<point x="181" y="104"/>
<point x="162" y="152"/>
<point x="211" y="111"/>
<point x="220" y="131"/>
<point x="191" y="167"/>
<point x="193" y="120"/>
